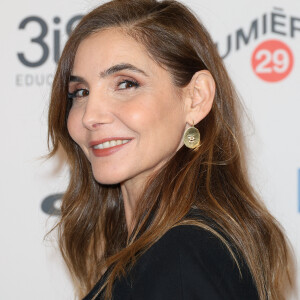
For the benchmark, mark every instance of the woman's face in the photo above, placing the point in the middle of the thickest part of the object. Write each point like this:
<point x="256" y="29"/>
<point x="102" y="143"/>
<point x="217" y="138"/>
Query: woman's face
<point x="127" y="116"/>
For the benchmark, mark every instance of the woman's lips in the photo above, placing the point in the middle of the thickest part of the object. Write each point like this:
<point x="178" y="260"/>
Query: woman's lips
<point x="108" y="146"/>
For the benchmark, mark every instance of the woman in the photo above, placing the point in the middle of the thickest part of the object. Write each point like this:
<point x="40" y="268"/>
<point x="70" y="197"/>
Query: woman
<point x="145" y="216"/>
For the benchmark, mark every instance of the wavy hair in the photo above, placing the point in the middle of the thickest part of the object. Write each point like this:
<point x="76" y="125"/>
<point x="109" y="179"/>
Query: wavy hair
<point x="92" y="230"/>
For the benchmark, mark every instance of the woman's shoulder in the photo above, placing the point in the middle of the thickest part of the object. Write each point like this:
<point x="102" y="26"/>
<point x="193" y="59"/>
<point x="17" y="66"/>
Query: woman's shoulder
<point x="203" y="241"/>
<point x="191" y="235"/>
<point x="188" y="239"/>
<point x="194" y="245"/>
<point x="188" y="262"/>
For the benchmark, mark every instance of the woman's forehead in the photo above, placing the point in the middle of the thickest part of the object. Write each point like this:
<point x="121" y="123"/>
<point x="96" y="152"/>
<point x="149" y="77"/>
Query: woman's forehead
<point x="113" y="47"/>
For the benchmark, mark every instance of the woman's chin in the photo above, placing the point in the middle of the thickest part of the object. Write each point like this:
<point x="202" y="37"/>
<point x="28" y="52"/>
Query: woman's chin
<point x="108" y="179"/>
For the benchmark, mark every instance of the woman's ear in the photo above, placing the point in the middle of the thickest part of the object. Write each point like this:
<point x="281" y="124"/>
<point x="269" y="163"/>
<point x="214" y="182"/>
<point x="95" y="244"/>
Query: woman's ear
<point x="198" y="97"/>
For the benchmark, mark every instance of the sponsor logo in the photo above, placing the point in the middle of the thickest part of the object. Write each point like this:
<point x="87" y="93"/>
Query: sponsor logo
<point x="272" y="60"/>
<point x="51" y="204"/>
<point x="275" y="22"/>
<point x="46" y="45"/>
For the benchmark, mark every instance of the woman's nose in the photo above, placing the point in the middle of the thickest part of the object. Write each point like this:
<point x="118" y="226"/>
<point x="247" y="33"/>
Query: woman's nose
<point x="97" y="112"/>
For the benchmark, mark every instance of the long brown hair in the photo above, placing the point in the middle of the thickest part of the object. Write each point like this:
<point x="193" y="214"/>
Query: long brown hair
<point x="92" y="229"/>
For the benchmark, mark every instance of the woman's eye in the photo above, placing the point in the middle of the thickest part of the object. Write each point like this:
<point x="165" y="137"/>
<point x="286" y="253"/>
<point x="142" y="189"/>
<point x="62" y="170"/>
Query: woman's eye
<point x="80" y="93"/>
<point x="127" y="84"/>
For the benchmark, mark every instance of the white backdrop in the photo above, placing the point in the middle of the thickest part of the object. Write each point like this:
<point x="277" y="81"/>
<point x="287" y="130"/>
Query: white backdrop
<point x="266" y="74"/>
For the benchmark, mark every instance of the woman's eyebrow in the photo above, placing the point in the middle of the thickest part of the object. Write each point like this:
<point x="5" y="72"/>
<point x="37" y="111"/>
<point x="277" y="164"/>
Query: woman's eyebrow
<point x="110" y="71"/>
<point x="74" y="78"/>
<point x="120" y="67"/>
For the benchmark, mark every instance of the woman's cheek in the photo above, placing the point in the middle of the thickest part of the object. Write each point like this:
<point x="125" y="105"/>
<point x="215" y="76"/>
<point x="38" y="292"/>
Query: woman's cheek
<point x="140" y="109"/>
<point x="74" y="124"/>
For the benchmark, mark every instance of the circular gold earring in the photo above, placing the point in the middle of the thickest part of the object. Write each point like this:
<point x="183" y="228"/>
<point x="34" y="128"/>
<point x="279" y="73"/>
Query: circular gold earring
<point x="191" y="137"/>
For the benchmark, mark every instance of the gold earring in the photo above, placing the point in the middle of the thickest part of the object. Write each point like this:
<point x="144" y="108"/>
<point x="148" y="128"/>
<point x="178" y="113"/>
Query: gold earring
<point x="191" y="137"/>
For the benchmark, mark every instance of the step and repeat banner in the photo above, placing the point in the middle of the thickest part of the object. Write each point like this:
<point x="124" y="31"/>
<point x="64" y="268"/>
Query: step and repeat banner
<point x="260" y="44"/>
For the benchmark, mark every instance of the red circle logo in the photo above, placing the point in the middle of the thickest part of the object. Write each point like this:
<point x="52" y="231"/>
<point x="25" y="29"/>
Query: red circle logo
<point x="272" y="60"/>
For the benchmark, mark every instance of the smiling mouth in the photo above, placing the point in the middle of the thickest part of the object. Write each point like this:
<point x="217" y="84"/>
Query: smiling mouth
<point x="110" y="144"/>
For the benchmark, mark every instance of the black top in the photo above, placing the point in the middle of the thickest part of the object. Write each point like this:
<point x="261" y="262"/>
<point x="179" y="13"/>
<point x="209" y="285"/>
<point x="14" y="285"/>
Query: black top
<point x="187" y="263"/>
